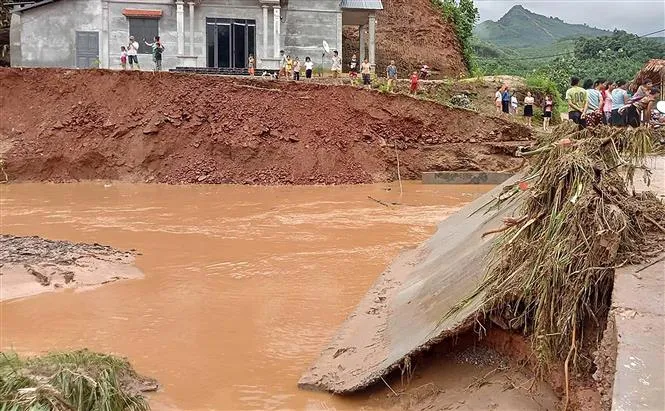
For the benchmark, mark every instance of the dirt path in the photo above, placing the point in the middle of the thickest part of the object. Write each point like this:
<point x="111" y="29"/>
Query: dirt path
<point x="33" y="265"/>
<point x="66" y="125"/>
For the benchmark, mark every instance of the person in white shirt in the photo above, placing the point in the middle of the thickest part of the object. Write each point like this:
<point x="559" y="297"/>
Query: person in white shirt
<point x="528" y="107"/>
<point x="497" y="98"/>
<point x="309" y="67"/>
<point x="132" y="53"/>
<point x="513" y="104"/>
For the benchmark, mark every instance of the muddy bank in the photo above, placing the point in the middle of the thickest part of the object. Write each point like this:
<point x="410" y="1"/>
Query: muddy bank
<point x="433" y="42"/>
<point x="33" y="265"/>
<point x="465" y="375"/>
<point x="62" y="125"/>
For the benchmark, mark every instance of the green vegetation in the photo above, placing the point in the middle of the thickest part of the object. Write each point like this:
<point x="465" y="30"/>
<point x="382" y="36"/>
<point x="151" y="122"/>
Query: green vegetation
<point x="526" y="44"/>
<point x="463" y="16"/>
<point x="520" y="28"/>
<point x="615" y="57"/>
<point x="80" y="380"/>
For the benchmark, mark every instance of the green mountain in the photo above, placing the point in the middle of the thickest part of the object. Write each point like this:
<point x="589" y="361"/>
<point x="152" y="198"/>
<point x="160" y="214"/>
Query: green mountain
<point x="521" y="28"/>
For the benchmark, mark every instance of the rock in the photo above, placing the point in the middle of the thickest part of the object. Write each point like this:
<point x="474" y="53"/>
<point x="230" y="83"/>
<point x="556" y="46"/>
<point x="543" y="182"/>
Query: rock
<point x="150" y="130"/>
<point x="293" y="139"/>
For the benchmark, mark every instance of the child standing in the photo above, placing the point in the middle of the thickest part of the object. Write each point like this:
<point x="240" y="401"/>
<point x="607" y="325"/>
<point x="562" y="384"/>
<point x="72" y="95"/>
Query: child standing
<point x="252" y="65"/>
<point x="414" y="82"/>
<point x="289" y="67"/>
<point x="309" y="67"/>
<point x="123" y="57"/>
<point x="513" y="104"/>
<point x="296" y="69"/>
<point x="353" y="69"/>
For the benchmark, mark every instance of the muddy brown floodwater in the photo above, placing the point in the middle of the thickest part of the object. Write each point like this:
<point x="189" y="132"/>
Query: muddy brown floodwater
<point x="243" y="285"/>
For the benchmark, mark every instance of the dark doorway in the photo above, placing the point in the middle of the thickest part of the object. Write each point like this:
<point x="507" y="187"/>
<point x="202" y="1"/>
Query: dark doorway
<point x="87" y="49"/>
<point x="230" y="42"/>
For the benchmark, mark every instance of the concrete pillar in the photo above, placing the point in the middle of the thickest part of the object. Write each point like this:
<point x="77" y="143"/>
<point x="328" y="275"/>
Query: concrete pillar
<point x="363" y="42"/>
<point x="104" y="52"/>
<point x="372" y="40"/>
<point x="340" y="44"/>
<point x="266" y="54"/>
<point x="276" y="30"/>
<point x="180" y="25"/>
<point x="191" y="28"/>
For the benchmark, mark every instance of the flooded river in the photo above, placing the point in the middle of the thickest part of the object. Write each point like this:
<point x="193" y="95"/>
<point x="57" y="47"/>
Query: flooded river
<point x="243" y="285"/>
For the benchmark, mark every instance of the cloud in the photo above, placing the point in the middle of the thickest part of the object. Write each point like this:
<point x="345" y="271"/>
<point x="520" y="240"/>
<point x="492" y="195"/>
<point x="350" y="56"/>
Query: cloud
<point x="635" y="16"/>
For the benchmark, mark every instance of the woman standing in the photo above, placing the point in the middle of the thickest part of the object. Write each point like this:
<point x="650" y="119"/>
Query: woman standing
<point x="309" y="67"/>
<point x="619" y="99"/>
<point x="592" y="113"/>
<point x="548" y="104"/>
<point x="607" y="101"/>
<point x="528" y="107"/>
<point x="497" y="98"/>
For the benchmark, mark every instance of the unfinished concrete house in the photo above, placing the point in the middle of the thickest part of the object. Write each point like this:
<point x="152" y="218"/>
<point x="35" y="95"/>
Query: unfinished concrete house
<point x="216" y="34"/>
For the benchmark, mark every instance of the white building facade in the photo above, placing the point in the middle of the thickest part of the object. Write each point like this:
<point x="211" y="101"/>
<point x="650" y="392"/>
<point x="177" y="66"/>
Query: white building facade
<point x="195" y="33"/>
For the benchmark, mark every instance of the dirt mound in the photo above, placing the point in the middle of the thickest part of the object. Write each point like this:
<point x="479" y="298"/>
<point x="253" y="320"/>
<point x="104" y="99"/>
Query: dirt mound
<point x="411" y="32"/>
<point x="68" y="125"/>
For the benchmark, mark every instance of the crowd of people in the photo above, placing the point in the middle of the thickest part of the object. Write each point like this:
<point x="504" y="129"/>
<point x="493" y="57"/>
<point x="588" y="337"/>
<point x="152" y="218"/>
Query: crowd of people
<point x="600" y="102"/>
<point x="612" y="103"/>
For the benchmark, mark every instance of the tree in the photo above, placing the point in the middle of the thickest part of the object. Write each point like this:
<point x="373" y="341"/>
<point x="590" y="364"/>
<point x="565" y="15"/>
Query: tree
<point x="464" y="17"/>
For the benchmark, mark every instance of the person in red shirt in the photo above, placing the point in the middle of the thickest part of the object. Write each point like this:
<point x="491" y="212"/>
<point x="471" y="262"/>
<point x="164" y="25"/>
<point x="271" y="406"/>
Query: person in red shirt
<point x="414" y="82"/>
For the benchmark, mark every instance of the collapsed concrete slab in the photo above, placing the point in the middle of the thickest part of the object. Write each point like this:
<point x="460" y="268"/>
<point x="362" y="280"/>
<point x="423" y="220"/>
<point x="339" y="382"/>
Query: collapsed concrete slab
<point x="403" y="312"/>
<point x="465" y="177"/>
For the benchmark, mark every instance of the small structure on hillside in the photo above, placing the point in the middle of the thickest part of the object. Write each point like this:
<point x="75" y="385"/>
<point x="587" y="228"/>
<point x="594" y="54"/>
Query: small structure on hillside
<point x="653" y="70"/>
<point x="219" y="34"/>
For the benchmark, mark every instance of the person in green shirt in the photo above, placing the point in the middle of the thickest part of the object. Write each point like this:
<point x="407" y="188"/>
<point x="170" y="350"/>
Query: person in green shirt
<point x="576" y="97"/>
<point x="157" y="51"/>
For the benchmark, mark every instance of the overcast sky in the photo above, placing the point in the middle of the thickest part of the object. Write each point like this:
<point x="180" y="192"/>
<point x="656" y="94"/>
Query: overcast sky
<point x="635" y="16"/>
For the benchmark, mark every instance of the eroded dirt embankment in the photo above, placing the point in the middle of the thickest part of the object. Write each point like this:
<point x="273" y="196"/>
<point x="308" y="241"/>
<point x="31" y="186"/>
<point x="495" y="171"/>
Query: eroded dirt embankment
<point x="62" y="125"/>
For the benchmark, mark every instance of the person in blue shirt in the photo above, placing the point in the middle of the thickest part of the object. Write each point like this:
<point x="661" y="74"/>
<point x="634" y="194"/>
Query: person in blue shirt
<point x="619" y="99"/>
<point x="505" y="101"/>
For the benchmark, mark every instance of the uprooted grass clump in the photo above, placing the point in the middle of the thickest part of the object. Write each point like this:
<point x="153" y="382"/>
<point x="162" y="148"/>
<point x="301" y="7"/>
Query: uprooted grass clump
<point x="550" y="272"/>
<point x="79" y="380"/>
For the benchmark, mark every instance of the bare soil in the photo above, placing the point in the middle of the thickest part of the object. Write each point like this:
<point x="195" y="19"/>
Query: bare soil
<point x="33" y="265"/>
<point x="463" y="374"/>
<point x="411" y="32"/>
<point x="63" y="125"/>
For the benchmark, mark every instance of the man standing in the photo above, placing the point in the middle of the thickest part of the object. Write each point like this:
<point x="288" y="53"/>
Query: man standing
<point x="336" y="64"/>
<point x="391" y="74"/>
<point x="505" y="100"/>
<point x="132" y="53"/>
<point x="157" y="50"/>
<point x="366" y="71"/>
<point x="576" y="97"/>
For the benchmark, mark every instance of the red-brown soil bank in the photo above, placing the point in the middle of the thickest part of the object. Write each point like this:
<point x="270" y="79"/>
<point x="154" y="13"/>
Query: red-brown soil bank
<point x="62" y="125"/>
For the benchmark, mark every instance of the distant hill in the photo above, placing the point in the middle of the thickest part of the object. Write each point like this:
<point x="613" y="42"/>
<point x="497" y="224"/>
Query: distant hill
<point x="520" y="28"/>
